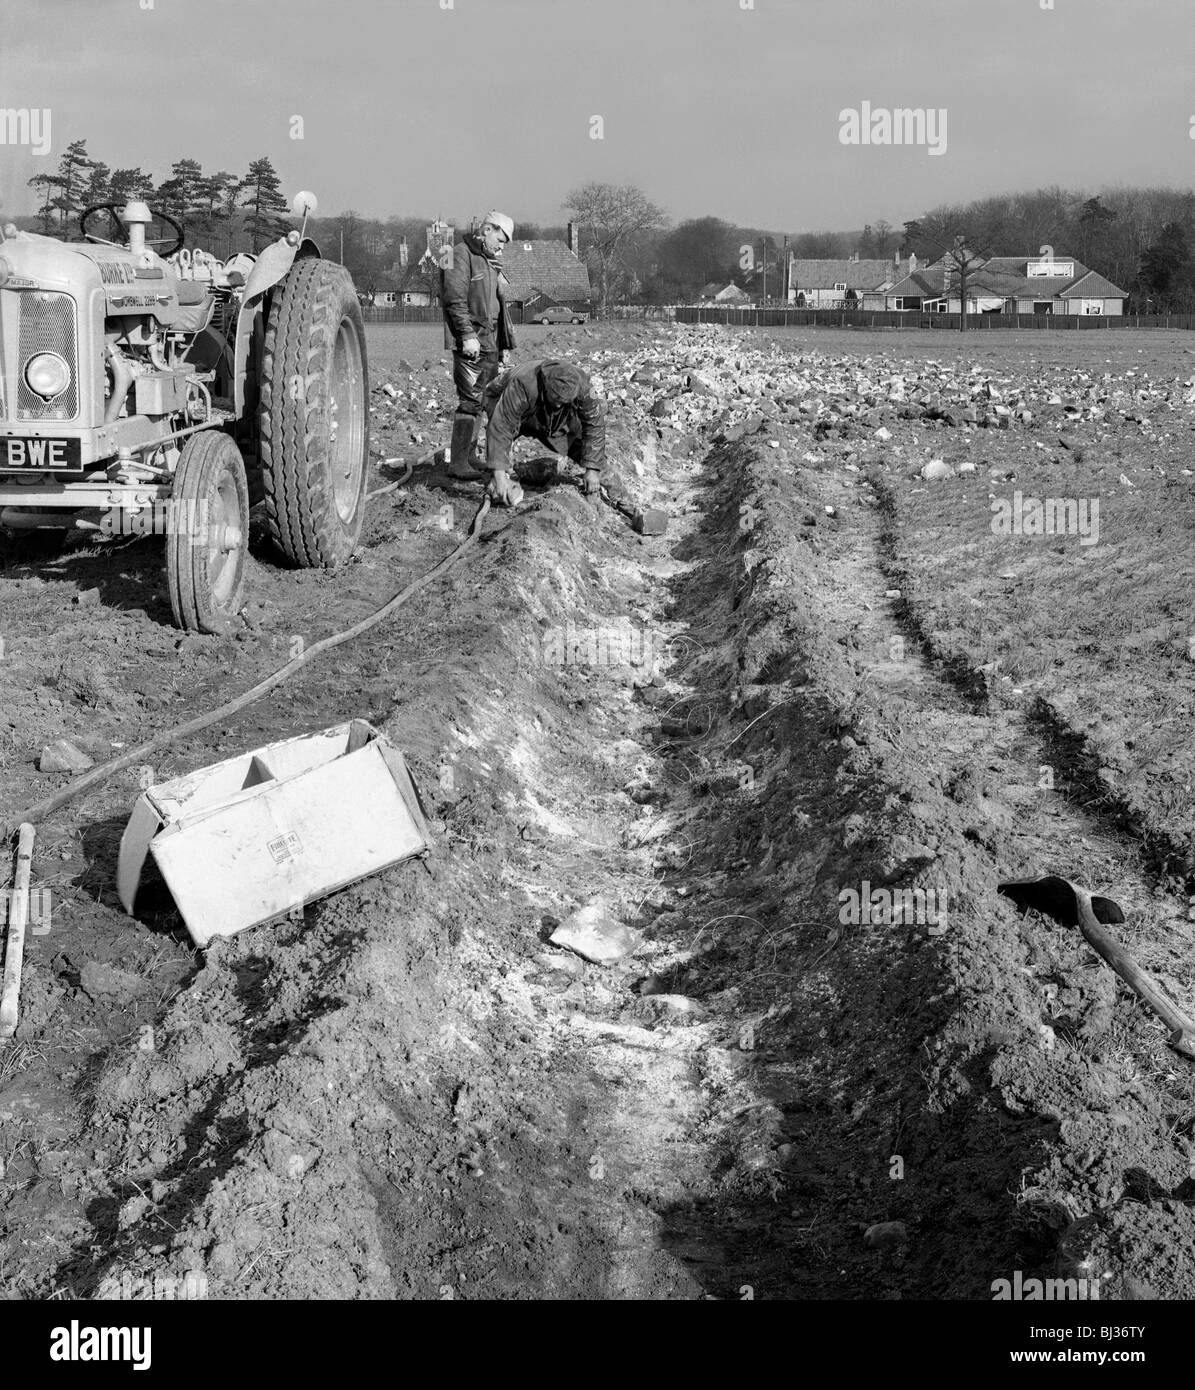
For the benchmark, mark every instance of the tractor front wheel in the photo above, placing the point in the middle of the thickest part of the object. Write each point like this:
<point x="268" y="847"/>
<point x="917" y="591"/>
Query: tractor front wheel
<point x="315" y="415"/>
<point x="207" y="534"/>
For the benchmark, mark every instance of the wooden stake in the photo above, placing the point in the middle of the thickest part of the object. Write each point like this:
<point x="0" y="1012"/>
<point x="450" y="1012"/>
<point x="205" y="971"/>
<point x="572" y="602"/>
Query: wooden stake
<point x="18" y="917"/>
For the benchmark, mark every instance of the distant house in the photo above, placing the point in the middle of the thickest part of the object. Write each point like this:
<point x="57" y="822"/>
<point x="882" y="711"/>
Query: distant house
<point x="1017" y="285"/>
<point x="385" y="292"/>
<point x="853" y="283"/>
<point x="911" y="292"/>
<point x="542" y="273"/>
<point x="727" y="294"/>
<point x="419" y="285"/>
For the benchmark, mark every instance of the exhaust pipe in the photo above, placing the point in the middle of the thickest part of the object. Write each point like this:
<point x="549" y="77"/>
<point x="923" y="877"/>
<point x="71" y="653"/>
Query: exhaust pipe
<point x="26" y="519"/>
<point x="122" y="380"/>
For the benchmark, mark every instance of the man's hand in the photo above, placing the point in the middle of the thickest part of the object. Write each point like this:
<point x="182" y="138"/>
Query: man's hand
<point x="501" y="486"/>
<point x="593" y="482"/>
<point x="471" y="347"/>
<point x="504" y="359"/>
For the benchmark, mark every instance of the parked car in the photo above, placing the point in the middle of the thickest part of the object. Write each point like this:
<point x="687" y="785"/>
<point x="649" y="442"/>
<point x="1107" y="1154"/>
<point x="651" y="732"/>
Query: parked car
<point x="561" y="313"/>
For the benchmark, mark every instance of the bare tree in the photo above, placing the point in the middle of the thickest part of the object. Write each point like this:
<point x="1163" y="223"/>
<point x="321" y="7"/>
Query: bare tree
<point x="959" y="257"/>
<point x="609" y="215"/>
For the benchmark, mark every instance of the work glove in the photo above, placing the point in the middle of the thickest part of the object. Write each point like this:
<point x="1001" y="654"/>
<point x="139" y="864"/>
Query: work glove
<point x="502" y="488"/>
<point x="504" y="359"/>
<point x="592" y="484"/>
<point x="471" y="347"/>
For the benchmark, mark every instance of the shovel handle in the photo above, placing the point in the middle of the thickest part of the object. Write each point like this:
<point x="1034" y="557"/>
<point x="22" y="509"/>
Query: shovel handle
<point x="1182" y="1028"/>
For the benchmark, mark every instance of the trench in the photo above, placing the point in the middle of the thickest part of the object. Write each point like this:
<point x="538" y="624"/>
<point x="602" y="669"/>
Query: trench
<point x="413" y="1094"/>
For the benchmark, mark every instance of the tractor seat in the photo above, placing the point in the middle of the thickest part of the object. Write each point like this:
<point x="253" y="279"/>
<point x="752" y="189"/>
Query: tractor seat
<point x="193" y="291"/>
<point x="194" y="318"/>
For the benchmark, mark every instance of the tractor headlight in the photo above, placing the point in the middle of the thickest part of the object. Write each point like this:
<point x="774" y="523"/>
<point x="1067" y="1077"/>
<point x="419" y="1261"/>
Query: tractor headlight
<point x="48" y="375"/>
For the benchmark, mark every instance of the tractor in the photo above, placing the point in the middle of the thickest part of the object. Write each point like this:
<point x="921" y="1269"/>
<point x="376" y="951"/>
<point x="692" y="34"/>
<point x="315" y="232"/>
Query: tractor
<point x="150" y="389"/>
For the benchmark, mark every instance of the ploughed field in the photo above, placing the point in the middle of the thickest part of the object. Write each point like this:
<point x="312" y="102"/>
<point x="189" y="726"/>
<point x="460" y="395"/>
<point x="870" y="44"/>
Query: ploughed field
<point x="921" y="623"/>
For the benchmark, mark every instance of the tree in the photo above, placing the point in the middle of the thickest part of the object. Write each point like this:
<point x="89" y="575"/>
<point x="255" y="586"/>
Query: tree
<point x="697" y="252"/>
<point x="1093" y="220"/>
<point x="99" y="185"/>
<point x="1167" y="271"/>
<point x="878" y="242"/>
<point x="130" y="185"/>
<point x="960" y="259"/>
<point x="178" y="195"/>
<point x="609" y="215"/>
<point x="47" y="183"/>
<point x="62" y="192"/>
<point x="820" y="246"/>
<point x="261" y="191"/>
<point x="766" y="267"/>
<point x="215" y="196"/>
<point x="346" y="228"/>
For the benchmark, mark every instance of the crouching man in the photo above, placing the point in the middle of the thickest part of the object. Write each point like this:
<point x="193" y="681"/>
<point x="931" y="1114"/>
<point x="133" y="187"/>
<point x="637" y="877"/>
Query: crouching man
<point x="554" y="403"/>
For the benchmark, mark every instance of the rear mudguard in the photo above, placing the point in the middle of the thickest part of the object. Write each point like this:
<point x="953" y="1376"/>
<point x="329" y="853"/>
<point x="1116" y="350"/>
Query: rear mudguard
<point x="271" y="266"/>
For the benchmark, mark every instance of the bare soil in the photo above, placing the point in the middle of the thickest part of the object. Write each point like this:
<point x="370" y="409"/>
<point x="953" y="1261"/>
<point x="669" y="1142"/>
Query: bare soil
<point x="412" y="1094"/>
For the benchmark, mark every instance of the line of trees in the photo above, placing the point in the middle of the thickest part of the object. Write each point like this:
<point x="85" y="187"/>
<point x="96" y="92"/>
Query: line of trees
<point x="221" y="211"/>
<point x="1142" y="239"/>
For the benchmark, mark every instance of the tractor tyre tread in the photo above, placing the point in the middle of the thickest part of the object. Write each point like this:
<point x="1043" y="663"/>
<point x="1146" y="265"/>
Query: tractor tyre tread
<point x="301" y="327"/>
<point x="186" y="563"/>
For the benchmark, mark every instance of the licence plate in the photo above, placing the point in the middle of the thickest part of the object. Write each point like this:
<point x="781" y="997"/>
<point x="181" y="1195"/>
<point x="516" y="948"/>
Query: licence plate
<point x="42" y="455"/>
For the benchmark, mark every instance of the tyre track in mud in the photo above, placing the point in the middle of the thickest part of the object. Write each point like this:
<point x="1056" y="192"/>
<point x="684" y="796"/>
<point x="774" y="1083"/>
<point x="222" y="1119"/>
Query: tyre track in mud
<point x="992" y="1089"/>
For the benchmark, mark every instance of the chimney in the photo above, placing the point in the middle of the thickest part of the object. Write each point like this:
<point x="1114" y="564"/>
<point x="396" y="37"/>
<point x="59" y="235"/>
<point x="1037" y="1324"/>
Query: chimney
<point x="574" y="239"/>
<point x="912" y="262"/>
<point x="403" y="253"/>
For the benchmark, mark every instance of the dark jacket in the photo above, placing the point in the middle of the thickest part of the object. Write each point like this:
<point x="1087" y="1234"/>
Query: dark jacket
<point x="473" y="294"/>
<point x="516" y="406"/>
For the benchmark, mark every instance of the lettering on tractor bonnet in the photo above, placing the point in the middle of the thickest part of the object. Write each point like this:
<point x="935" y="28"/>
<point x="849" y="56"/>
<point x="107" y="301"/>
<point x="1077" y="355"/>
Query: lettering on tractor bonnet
<point x="115" y="273"/>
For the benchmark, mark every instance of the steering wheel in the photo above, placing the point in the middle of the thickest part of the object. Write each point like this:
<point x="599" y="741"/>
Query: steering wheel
<point x="114" y="210"/>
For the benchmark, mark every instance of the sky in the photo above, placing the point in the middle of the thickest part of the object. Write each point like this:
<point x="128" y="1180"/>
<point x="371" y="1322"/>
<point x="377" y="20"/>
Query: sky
<point x="728" y="108"/>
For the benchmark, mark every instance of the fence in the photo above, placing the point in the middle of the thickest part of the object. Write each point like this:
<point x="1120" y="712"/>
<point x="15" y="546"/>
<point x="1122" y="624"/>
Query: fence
<point x="405" y="313"/>
<point x="831" y="318"/>
<point x="867" y="318"/>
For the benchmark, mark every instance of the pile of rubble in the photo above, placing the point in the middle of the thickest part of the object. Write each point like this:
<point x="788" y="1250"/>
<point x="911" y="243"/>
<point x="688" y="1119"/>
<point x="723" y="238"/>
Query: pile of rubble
<point x="677" y="384"/>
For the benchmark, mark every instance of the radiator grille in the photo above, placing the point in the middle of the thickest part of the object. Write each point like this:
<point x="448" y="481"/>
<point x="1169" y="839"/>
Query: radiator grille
<point x="47" y="325"/>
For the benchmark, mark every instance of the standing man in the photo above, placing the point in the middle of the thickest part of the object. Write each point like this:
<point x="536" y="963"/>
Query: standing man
<point x="554" y="403"/>
<point x="477" y="328"/>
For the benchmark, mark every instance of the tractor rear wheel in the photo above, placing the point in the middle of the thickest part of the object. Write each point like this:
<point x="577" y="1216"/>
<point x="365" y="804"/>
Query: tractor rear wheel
<point x="315" y="415"/>
<point x="207" y="535"/>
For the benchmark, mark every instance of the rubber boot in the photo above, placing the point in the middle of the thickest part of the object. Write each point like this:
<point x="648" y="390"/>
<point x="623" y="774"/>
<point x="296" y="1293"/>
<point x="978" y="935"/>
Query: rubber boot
<point x="464" y="432"/>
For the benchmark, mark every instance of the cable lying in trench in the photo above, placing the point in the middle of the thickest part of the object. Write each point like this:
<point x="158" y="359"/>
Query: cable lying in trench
<point x="40" y="809"/>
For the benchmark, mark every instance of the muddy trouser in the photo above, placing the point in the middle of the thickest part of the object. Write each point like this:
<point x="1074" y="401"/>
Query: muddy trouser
<point x="471" y="376"/>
